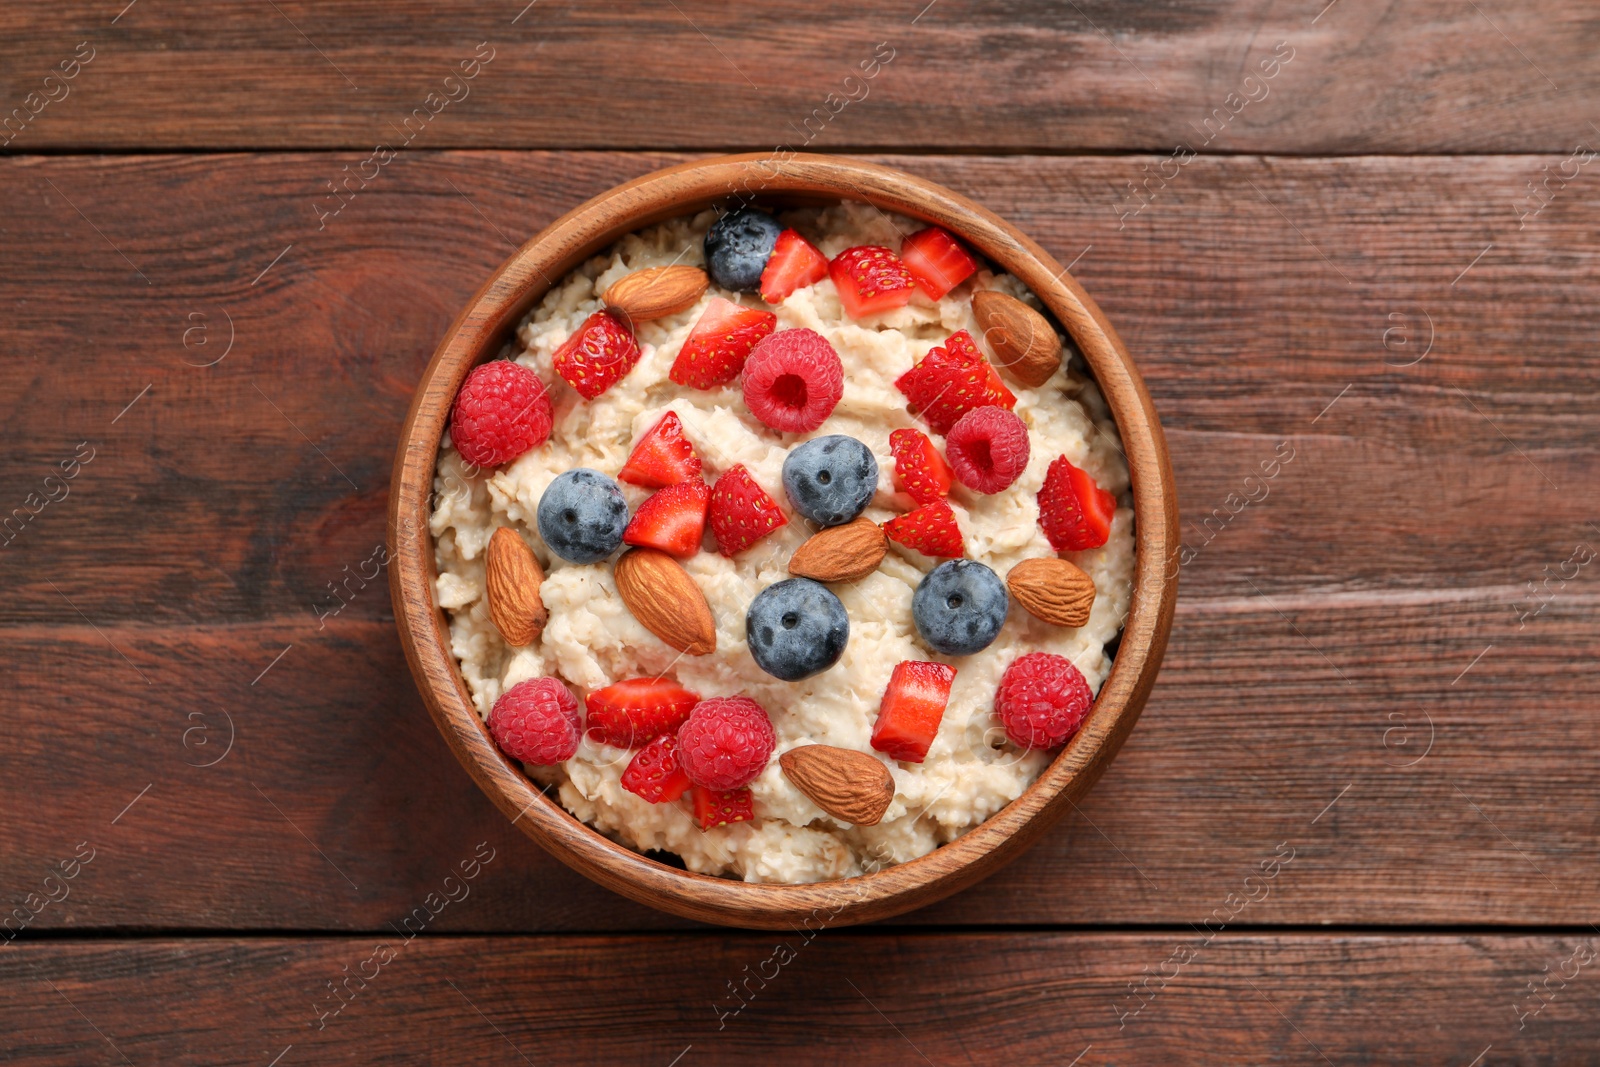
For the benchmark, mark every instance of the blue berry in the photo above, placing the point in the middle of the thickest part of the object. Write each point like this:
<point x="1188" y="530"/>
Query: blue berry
<point x="830" y="479"/>
<point x="960" y="607"/>
<point x="737" y="247"/>
<point x="582" y="516"/>
<point x="796" y="628"/>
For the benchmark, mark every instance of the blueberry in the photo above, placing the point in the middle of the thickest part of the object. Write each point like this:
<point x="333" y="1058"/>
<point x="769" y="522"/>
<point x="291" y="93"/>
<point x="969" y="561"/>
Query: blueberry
<point x="959" y="607"/>
<point x="830" y="479"/>
<point x="737" y="247"/>
<point x="582" y="516"/>
<point x="796" y="628"/>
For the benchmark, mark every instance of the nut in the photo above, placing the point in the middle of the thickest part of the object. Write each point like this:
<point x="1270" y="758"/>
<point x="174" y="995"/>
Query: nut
<point x="1053" y="590"/>
<point x="1025" y="344"/>
<point x="666" y="601"/>
<point x="655" y="292"/>
<point x="851" y="786"/>
<point x="841" y="553"/>
<point x="512" y="583"/>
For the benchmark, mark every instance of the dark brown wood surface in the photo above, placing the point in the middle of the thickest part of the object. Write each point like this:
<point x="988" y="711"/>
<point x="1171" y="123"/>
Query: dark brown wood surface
<point x="1383" y="662"/>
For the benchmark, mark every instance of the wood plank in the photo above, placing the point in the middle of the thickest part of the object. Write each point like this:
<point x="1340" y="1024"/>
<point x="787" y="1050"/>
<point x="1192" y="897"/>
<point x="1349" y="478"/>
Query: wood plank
<point x="1362" y="76"/>
<point x="837" y="998"/>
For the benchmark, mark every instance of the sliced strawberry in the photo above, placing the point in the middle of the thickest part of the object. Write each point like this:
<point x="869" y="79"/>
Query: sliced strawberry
<point x="1074" y="512"/>
<point x="919" y="470"/>
<point x="597" y="356"/>
<point x="930" y="529"/>
<point x="716" y="807"/>
<point x="794" y="264"/>
<point x="937" y="261"/>
<point x="654" y="774"/>
<point x="714" y="352"/>
<point x="951" y="380"/>
<point x="673" y="519"/>
<point x="913" y="705"/>
<point x="870" y="279"/>
<point x="741" y="511"/>
<point x="632" y="712"/>
<point x="662" y="457"/>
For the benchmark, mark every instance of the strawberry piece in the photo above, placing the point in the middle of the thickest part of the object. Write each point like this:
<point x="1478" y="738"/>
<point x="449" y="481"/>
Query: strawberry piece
<point x="919" y="470"/>
<point x="1074" y="512"/>
<point x="794" y="264"/>
<point x="936" y="261"/>
<point x="721" y="807"/>
<point x="870" y="279"/>
<point x="741" y="511"/>
<point x="714" y="352"/>
<point x="673" y="519"/>
<point x="631" y="712"/>
<point x="913" y="705"/>
<point x="930" y="529"/>
<point x="951" y="380"/>
<point x="662" y="457"/>
<point x="597" y="356"/>
<point x="654" y="774"/>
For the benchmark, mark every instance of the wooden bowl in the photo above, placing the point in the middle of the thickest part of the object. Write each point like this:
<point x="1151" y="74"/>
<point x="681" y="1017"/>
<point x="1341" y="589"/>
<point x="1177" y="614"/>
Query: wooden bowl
<point x="488" y="321"/>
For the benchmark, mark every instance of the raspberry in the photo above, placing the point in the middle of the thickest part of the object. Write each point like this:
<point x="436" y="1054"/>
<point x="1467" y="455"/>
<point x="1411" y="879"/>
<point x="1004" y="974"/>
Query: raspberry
<point x="501" y="411"/>
<point x="725" y="743"/>
<point x="536" y="722"/>
<point x="1042" y="700"/>
<point x="987" y="448"/>
<point x="792" y="380"/>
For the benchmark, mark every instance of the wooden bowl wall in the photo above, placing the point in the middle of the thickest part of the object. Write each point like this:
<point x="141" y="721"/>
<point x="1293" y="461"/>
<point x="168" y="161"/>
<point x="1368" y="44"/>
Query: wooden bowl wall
<point x="487" y="323"/>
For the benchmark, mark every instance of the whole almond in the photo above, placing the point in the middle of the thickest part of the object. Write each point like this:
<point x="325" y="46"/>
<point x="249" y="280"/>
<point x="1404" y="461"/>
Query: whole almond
<point x="1025" y="345"/>
<point x="655" y="292"/>
<point x="666" y="601"/>
<point x="513" y="580"/>
<point x="841" y="553"/>
<point x="1053" y="590"/>
<point x="851" y="786"/>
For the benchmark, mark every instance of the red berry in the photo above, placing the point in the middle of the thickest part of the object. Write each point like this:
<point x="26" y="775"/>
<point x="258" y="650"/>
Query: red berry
<point x="725" y="742"/>
<point x="870" y="279"/>
<point x="715" y="350"/>
<point x="952" y="380"/>
<point x="988" y="448"/>
<point x="501" y="411"/>
<point x="937" y="261"/>
<point x="662" y="457"/>
<point x="919" y="470"/>
<point x="792" y="380"/>
<point x="673" y="519"/>
<point x="1042" y="700"/>
<point x="597" y="356"/>
<point x="654" y="774"/>
<point x="713" y="807"/>
<point x="631" y="712"/>
<point x="913" y="706"/>
<point x="536" y="722"/>
<point x="794" y="264"/>
<point x="930" y="529"/>
<point x="741" y="511"/>
<point x="1074" y="512"/>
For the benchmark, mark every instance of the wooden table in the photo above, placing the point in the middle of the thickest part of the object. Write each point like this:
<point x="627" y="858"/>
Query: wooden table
<point x="1358" y="820"/>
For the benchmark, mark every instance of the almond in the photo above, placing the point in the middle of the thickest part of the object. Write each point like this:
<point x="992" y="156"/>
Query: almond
<point x="666" y="601"/>
<point x="1025" y="344"/>
<point x="1053" y="590"/>
<point x="851" y="786"/>
<point x="513" y="582"/>
<point x="841" y="553"/>
<point x="655" y="292"/>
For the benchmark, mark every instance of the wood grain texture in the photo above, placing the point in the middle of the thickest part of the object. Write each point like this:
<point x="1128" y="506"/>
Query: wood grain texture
<point x="1364" y="75"/>
<point x="1395" y="547"/>
<point x="836" y="998"/>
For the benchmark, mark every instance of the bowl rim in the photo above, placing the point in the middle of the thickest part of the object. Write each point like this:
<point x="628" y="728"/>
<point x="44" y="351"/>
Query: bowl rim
<point x="487" y="321"/>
